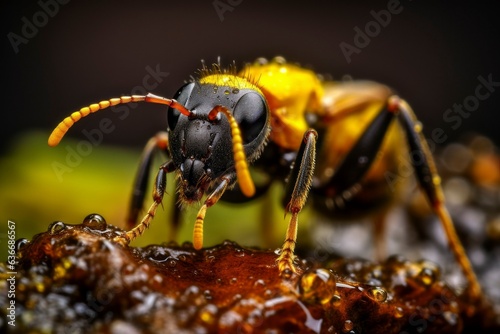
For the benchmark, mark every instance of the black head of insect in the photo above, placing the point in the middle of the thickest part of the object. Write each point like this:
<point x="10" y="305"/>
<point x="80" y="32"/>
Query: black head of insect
<point x="213" y="132"/>
<point x="204" y="145"/>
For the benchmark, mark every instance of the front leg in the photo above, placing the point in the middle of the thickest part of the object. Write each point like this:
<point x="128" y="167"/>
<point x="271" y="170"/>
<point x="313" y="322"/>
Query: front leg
<point x="213" y="198"/>
<point x="297" y="190"/>
<point x="158" y="192"/>
<point x="156" y="143"/>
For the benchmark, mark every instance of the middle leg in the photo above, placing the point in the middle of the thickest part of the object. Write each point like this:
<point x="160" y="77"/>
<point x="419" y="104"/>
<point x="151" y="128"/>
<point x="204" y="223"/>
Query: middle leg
<point x="298" y="186"/>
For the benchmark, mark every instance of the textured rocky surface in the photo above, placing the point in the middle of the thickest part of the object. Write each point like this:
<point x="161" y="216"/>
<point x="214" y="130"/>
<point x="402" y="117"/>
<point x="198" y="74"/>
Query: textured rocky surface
<point x="75" y="279"/>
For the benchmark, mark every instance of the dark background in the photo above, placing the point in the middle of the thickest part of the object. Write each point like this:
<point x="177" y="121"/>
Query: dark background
<point x="432" y="53"/>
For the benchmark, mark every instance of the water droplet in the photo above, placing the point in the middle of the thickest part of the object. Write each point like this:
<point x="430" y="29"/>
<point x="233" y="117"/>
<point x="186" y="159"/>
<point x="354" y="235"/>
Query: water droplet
<point x="233" y="280"/>
<point x="192" y="290"/>
<point x="227" y="92"/>
<point x="159" y="254"/>
<point x="378" y="294"/>
<point x="172" y="263"/>
<point x="317" y="286"/>
<point x="348" y="326"/>
<point x="398" y="312"/>
<point x="279" y="60"/>
<point x="261" y="61"/>
<point x="259" y="283"/>
<point x="228" y="243"/>
<point x="208" y="313"/>
<point x="207" y="294"/>
<point x="239" y="252"/>
<point x="428" y="274"/>
<point x="56" y="227"/>
<point x="236" y="90"/>
<point x="95" y="222"/>
<point x="336" y="300"/>
<point x="20" y="243"/>
<point x="216" y="89"/>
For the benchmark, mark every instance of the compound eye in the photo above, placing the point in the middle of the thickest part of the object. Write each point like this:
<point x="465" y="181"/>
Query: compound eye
<point x="182" y="96"/>
<point x="251" y="114"/>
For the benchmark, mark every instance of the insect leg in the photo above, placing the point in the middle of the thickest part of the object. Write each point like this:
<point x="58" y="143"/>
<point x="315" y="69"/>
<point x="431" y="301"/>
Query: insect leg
<point x="158" y="192"/>
<point x="356" y="163"/>
<point x="299" y="183"/>
<point x="430" y="182"/>
<point x="158" y="142"/>
<point x="213" y="198"/>
<point x="361" y="156"/>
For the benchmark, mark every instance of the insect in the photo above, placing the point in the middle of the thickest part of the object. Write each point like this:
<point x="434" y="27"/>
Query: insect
<point x="325" y="137"/>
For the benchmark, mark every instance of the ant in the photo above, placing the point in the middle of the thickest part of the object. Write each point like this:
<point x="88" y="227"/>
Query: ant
<point x="326" y="138"/>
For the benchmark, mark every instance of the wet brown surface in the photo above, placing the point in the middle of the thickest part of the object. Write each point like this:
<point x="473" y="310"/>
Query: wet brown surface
<point x="74" y="278"/>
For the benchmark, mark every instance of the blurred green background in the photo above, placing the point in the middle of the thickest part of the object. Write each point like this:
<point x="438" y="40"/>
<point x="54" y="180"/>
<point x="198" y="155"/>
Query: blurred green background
<point x="78" y="53"/>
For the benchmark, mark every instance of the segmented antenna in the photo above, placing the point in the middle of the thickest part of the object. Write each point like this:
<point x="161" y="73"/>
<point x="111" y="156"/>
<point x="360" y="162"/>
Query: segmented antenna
<point x="242" y="172"/>
<point x="240" y="161"/>
<point x="63" y="127"/>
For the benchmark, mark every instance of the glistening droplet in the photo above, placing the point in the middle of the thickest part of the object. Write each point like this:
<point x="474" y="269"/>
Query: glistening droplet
<point x="318" y="285"/>
<point x="378" y="294"/>
<point x="56" y="227"/>
<point x="20" y="243"/>
<point x="336" y="300"/>
<point x="95" y="222"/>
<point x="398" y="312"/>
<point x="348" y="326"/>
<point x="428" y="274"/>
